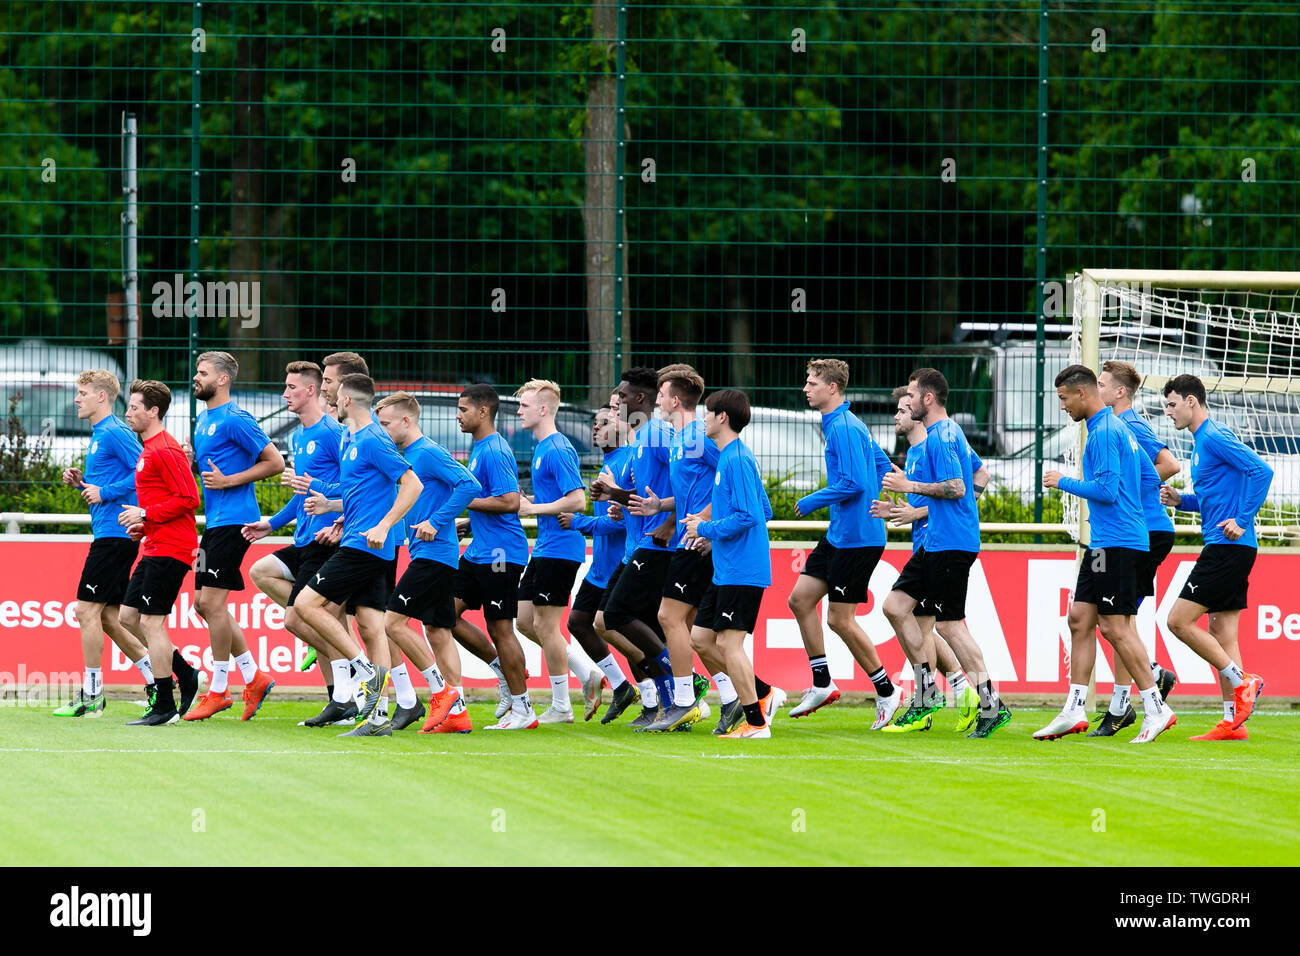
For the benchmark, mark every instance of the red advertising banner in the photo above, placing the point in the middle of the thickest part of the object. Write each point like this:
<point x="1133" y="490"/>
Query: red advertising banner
<point x="1016" y="609"/>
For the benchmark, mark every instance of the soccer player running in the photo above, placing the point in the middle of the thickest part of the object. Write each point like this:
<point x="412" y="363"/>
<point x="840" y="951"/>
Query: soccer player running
<point x="692" y="467"/>
<point x="558" y="552"/>
<point x="840" y="566"/>
<point x="1229" y="485"/>
<point x="231" y="453"/>
<point x="916" y="512"/>
<point x="742" y="564"/>
<point x="425" y="591"/>
<point x="1117" y="384"/>
<point x="1105" y="595"/>
<point x="608" y="538"/>
<point x="489" y="570"/>
<point x="107" y="483"/>
<point x="378" y="489"/>
<point x="283" y="574"/>
<point x="163" y="519"/>
<point x="939" y="571"/>
<point x="632" y="607"/>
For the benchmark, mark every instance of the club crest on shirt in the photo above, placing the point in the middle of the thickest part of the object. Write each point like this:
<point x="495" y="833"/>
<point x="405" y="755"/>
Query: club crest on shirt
<point x="717" y="479"/>
<point x="212" y="429"/>
<point x="352" y="454"/>
<point x="139" y="465"/>
<point x="311" y="447"/>
<point x="94" y="447"/>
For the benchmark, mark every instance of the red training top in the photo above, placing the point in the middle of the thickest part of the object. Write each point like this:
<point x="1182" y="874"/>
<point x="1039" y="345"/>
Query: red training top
<point x="166" y="490"/>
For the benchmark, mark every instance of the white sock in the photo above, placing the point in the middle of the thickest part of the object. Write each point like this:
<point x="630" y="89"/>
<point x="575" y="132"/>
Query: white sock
<point x="247" y="666"/>
<point x="459" y="706"/>
<point x="957" y="681"/>
<point x="1155" y="671"/>
<point x="1233" y="673"/>
<point x="380" y="713"/>
<point x="649" y="697"/>
<point x="94" y="682"/>
<point x="726" y="690"/>
<point x="560" y="692"/>
<point x="342" y="671"/>
<point x="1077" y="702"/>
<point x="402" y="685"/>
<point x="1151" y="704"/>
<point x="365" y="669"/>
<point x="520" y="705"/>
<point x="496" y="669"/>
<point x="145" y="669"/>
<point x="578" y="664"/>
<point x="683" y="691"/>
<point x="220" y="677"/>
<point x="1229" y="710"/>
<point x="1119" y="698"/>
<point x="609" y="667"/>
<point x="434" y="678"/>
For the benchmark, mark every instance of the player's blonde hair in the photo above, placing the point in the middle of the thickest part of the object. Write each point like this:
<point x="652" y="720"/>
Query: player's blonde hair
<point x="831" y="371"/>
<point x="1123" y="373"/>
<point x="101" y="380"/>
<point x="400" y="402"/>
<point x="548" y="393"/>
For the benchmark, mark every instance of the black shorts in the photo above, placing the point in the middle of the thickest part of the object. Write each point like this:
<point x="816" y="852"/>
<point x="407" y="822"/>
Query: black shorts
<point x="355" y="578"/>
<point x="1108" y="579"/>
<point x="303" y="563"/>
<point x="548" y="582"/>
<point x="1218" y="581"/>
<point x="378" y="596"/>
<point x="609" y="587"/>
<point x="495" y="591"/>
<point x="588" y="598"/>
<point x="1159" y="544"/>
<point x="690" y="574"/>
<point x="154" y="584"/>
<point x="730" y="607"/>
<point x="938" y="578"/>
<point x="637" y="593"/>
<point x="425" y="593"/>
<point x="221" y="552"/>
<point x="107" y="570"/>
<point x="846" y="571"/>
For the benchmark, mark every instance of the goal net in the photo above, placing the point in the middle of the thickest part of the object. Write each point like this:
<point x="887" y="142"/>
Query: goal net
<point x="1239" y="332"/>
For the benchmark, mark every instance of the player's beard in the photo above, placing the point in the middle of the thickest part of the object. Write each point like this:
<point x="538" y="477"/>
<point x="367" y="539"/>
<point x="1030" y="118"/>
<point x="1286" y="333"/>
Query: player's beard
<point x="203" y="394"/>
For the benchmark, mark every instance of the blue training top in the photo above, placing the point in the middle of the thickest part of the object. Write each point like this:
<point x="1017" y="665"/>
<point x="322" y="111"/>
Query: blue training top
<point x="1112" y="484"/>
<point x="855" y="464"/>
<point x="110" y="466"/>
<point x="1229" y="480"/>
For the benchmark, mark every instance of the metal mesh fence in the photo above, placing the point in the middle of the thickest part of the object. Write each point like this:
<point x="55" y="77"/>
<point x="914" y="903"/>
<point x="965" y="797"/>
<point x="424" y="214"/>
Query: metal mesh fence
<point x="494" y="192"/>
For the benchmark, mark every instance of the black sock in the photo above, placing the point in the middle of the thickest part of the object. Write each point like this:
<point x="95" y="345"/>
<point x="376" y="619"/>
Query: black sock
<point x="329" y="691"/>
<point x="180" y="665"/>
<point x="821" y="671"/>
<point x="754" y="714"/>
<point x="884" y="686"/>
<point x="762" y="687"/>
<point x="927" y="687"/>
<point x="164" y="699"/>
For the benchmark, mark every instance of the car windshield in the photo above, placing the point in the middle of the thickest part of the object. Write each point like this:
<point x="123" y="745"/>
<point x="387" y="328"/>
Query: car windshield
<point x="788" y="448"/>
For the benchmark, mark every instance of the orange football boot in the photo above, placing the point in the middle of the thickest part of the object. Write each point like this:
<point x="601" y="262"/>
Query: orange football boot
<point x="213" y="702"/>
<point x="255" y="693"/>
<point x="1224" y="730"/>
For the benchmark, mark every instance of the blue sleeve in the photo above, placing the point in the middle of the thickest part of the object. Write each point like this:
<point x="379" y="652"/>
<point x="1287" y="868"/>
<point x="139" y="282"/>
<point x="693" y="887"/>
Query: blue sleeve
<point x="1104" y="484"/>
<point x="564" y="466"/>
<point x="286" y="514"/>
<point x="589" y="524"/>
<point x="975" y="463"/>
<point x="249" y="435"/>
<point x="1259" y="476"/>
<point x="1146" y="437"/>
<point x="127" y="451"/>
<point x="744" y="504"/>
<point x="464" y="489"/>
<point x="711" y="453"/>
<point x="767" y="504"/>
<point x="333" y="490"/>
<point x="385" y="456"/>
<point x="883" y="465"/>
<point x="846" y="472"/>
<point x="1189" y="503"/>
<point x="502" y="474"/>
<point x="942" y="459"/>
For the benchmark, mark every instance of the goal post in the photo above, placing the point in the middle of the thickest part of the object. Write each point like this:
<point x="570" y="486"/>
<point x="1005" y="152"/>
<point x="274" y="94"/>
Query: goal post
<point x="1239" y="332"/>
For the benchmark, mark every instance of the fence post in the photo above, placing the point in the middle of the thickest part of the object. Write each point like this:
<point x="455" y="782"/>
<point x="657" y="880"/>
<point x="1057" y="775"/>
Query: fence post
<point x="1040" y="286"/>
<point x="196" y="77"/>
<point x="620" y="215"/>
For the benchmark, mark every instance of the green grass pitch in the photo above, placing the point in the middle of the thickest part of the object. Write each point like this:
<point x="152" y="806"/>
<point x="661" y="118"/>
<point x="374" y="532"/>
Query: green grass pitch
<point x="823" y="790"/>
